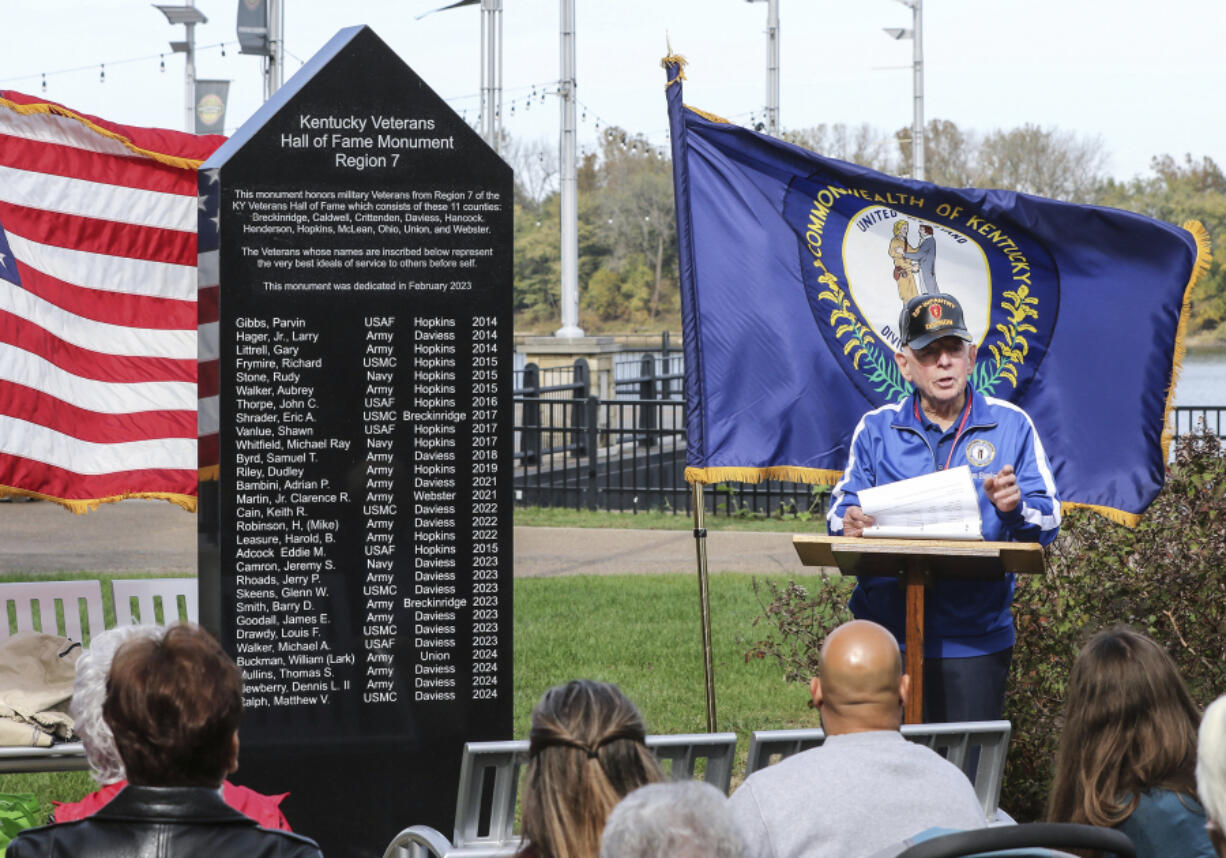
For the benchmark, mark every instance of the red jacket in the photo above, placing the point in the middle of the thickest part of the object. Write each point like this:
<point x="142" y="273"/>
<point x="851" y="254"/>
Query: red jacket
<point x="264" y="809"/>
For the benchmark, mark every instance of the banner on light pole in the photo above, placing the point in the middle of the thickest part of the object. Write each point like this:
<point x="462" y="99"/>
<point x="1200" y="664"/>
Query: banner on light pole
<point x="211" y="99"/>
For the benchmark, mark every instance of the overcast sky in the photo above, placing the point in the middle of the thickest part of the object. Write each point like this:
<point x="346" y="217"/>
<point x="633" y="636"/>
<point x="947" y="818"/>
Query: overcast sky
<point x="1145" y="77"/>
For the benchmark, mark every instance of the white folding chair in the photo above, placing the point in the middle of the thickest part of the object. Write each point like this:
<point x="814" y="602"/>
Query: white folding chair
<point x="151" y="594"/>
<point x="33" y="600"/>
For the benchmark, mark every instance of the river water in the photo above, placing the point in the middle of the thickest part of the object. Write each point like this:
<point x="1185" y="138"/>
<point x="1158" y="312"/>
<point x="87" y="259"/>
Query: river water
<point x="1202" y="380"/>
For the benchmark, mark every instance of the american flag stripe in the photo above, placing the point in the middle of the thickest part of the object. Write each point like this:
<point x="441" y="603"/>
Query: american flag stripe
<point x="87" y="457"/>
<point x="98" y="323"/>
<point x="62" y="483"/>
<point x="208" y="297"/>
<point x="104" y="397"/>
<point x="22" y="186"/>
<point x="18" y="334"/>
<point x="32" y="406"/>
<point x="50" y="158"/>
<point x="103" y="337"/>
<point x="112" y="308"/>
<point x="100" y="236"/>
<point x="101" y="270"/>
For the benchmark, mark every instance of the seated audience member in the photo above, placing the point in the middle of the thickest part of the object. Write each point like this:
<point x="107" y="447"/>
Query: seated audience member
<point x="586" y="752"/>
<point x="173" y="705"/>
<point x="1211" y="772"/>
<point x="1127" y="755"/>
<point x="686" y="819"/>
<point x="867" y="787"/>
<point x="88" y="695"/>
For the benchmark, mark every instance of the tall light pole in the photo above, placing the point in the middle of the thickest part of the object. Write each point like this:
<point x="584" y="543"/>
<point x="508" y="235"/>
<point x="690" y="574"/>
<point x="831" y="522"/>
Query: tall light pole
<point x="568" y="184"/>
<point x="772" y="66"/>
<point x="491" y="72"/>
<point x="274" y="71"/>
<point x="916" y="34"/>
<point x="490" y="118"/>
<point x="189" y="16"/>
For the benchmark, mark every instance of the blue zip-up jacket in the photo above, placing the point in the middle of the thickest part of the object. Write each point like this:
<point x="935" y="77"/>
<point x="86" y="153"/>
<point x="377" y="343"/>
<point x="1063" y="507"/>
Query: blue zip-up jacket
<point x="962" y="618"/>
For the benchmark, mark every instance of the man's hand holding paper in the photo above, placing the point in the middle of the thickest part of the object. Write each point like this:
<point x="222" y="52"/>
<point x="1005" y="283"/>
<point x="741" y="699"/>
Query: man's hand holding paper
<point x="941" y="505"/>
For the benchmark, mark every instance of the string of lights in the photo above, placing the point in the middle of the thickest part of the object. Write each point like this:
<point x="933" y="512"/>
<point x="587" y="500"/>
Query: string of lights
<point x="518" y="101"/>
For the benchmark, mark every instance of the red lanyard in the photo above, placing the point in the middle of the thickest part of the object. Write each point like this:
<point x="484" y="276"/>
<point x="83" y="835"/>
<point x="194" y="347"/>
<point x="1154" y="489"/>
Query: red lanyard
<point x="966" y="413"/>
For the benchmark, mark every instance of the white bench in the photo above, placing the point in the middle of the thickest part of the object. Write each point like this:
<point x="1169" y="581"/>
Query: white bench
<point x="34" y="604"/>
<point x="683" y="756"/>
<point x="955" y="742"/>
<point x="150" y="594"/>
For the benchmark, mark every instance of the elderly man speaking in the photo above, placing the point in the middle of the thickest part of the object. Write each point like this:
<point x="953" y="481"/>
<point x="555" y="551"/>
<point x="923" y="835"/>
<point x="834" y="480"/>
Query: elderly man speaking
<point x="946" y="423"/>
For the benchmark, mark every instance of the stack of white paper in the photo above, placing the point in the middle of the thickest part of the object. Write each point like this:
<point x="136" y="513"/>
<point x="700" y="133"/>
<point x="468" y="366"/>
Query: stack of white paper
<point x="943" y="505"/>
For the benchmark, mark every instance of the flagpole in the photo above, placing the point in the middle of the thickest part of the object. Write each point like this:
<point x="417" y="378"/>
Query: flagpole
<point x="568" y="181"/>
<point x="704" y="598"/>
<point x="274" y="73"/>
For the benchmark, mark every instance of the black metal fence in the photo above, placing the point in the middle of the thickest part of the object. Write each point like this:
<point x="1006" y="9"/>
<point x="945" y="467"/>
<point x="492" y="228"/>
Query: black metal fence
<point x="576" y="450"/>
<point x="1190" y="418"/>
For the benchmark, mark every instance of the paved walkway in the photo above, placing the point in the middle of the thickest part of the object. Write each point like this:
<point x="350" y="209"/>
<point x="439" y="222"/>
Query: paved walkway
<point x="158" y="537"/>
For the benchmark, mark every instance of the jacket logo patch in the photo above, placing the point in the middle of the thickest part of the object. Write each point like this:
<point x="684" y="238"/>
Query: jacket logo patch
<point x="980" y="453"/>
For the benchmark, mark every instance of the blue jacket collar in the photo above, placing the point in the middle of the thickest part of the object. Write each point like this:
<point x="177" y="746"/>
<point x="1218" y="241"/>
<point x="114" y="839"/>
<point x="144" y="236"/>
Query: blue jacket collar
<point x="981" y="415"/>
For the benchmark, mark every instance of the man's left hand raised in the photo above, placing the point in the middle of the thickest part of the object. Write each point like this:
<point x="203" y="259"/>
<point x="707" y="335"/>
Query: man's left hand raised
<point x="1002" y="490"/>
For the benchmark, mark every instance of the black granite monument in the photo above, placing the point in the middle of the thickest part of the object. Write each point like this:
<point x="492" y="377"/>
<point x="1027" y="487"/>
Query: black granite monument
<point x="362" y="570"/>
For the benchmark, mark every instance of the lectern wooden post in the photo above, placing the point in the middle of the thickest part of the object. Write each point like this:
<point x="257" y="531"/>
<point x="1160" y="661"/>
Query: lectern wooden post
<point x="916" y="562"/>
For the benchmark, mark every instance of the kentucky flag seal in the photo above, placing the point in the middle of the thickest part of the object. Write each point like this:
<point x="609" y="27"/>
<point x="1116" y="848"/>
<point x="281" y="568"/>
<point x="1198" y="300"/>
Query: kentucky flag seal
<point x="794" y="269"/>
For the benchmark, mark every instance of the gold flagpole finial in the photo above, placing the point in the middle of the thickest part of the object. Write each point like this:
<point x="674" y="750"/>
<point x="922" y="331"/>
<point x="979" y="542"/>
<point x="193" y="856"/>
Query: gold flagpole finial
<point x="673" y="60"/>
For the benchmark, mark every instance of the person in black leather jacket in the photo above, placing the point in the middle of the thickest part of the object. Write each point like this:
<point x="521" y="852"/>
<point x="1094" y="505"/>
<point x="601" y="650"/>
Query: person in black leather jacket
<point x="173" y="705"/>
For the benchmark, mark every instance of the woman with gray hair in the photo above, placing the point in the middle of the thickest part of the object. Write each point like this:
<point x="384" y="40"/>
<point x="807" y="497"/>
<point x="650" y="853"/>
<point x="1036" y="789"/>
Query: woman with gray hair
<point x="1211" y="772"/>
<point x="88" y="695"/>
<point x="686" y="819"/>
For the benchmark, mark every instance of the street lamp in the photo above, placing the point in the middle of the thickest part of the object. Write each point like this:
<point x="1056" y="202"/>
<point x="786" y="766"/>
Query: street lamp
<point x="568" y="185"/>
<point x="916" y="34"/>
<point x="772" y="66"/>
<point x="490" y="121"/>
<point x="189" y="16"/>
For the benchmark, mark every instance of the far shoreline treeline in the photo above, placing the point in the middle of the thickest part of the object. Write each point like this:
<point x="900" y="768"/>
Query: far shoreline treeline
<point x="627" y="233"/>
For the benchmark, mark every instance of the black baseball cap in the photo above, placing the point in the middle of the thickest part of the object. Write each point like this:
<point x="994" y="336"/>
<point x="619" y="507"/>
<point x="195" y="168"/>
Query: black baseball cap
<point x="929" y="317"/>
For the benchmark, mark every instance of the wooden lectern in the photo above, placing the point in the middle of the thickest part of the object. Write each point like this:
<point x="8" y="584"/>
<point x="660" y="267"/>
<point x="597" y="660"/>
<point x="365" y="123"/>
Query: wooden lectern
<point x="916" y="562"/>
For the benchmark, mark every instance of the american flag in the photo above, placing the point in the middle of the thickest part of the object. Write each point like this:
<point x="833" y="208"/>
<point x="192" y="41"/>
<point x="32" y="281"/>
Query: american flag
<point x="98" y="297"/>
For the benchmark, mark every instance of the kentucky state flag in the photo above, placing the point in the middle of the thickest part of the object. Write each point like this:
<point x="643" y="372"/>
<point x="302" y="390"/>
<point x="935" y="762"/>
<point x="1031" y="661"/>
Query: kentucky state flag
<point x="794" y="269"/>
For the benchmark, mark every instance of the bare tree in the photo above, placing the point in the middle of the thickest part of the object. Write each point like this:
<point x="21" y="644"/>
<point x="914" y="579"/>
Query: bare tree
<point x="536" y="167"/>
<point x="1044" y="161"/>
<point x="637" y="201"/>
<point x="949" y="153"/>
<point x="861" y="144"/>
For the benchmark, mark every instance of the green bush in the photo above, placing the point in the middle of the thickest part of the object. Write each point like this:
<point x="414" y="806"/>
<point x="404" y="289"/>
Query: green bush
<point x="1166" y="577"/>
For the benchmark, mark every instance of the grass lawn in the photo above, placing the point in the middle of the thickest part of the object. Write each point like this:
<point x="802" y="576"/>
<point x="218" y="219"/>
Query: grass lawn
<point x="641" y="632"/>
<point x="535" y="516"/>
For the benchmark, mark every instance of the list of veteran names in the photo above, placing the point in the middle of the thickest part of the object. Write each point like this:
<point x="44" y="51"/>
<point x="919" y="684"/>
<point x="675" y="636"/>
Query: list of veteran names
<point x="367" y="545"/>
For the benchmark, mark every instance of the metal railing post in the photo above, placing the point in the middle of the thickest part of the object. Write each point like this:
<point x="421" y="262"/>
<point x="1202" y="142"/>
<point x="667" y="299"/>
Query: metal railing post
<point x="530" y="434"/>
<point x="648" y="417"/>
<point x="591" y="488"/>
<point x="578" y="413"/>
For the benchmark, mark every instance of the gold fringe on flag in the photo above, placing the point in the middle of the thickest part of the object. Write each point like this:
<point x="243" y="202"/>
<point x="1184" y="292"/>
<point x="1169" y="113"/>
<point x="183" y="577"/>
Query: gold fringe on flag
<point x="1128" y="519"/>
<point x="787" y="473"/>
<point x="1199" y="269"/>
<point x="208" y="474"/>
<point x="57" y="110"/>
<point x="710" y="117"/>
<point x="80" y="507"/>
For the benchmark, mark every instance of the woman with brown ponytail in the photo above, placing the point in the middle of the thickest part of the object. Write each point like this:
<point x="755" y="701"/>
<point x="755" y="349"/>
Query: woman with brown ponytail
<point x="586" y="752"/>
<point x="1127" y="756"/>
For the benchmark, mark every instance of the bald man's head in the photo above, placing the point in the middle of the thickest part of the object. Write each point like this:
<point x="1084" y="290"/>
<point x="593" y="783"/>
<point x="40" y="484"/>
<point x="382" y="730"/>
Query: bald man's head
<point x="861" y="684"/>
